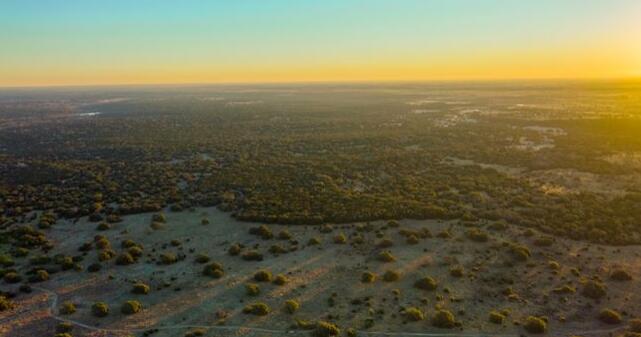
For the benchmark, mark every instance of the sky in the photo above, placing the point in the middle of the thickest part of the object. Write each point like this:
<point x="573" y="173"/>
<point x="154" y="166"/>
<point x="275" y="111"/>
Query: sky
<point x="93" y="42"/>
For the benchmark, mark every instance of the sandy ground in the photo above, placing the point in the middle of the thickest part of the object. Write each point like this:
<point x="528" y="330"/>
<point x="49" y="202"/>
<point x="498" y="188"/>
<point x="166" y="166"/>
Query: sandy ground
<point x="181" y="296"/>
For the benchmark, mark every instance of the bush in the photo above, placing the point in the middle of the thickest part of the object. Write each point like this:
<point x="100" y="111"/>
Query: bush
<point x="412" y="239"/>
<point x="263" y="276"/>
<point x="252" y="289"/>
<point x="5" y="304"/>
<point x="284" y="235"/>
<point x="252" y="255"/>
<point x="100" y="309"/>
<point x="41" y="275"/>
<point x="414" y="314"/>
<point x="103" y="243"/>
<point x="168" y="258"/>
<point x="386" y="256"/>
<point x="340" y="239"/>
<point x="106" y="255"/>
<point x="128" y="244"/>
<point x="385" y="243"/>
<point x="291" y="306"/>
<point x="426" y="283"/>
<point x="535" y="325"/>
<point x="326" y="329"/>
<point x="610" y="316"/>
<point x="391" y="276"/>
<point x="136" y="251"/>
<point x="131" y="307"/>
<point x="620" y="275"/>
<point x="263" y="231"/>
<point x="67" y="308"/>
<point x="103" y="226"/>
<point x="443" y="319"/>
<point x="496" y="317"/>
<point x="12" y="277"/>
<point x="94" y="267"/>
<point x="564" y="290"/>
<point x="277" y="249"/>
<point x="125" y="259"/>
<point x="140" y="288"/>
<point x="202" y="258"/>
<point x="519" y="252"/>
<point x="314" y="241"/>
<point x="593" y="289"/>
<point x="457" y="271"/>
<point x="258" y="309"/>
<point x="63" y="327"/>
<point x="477" y="235"/>
<point x="635" y="325"/>
<point x="214" y="270"/>
<point x="159" y="217"/>
<point x="280" y="279"/>
<point x="234" y="249"/>
<point x="368" y="277"/>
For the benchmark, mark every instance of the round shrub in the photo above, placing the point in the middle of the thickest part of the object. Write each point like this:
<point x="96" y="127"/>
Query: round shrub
<point x="5" y="304"/>
<point x="252" y="255"/>
<point x="385" y="243"/>
<point x="593" y="289"/>
<point x="168" y="258"/>
<point x="620" y="275"/>
<point x="135" y="251"/>
<point x="263" y="276"/>
<point x="252" y="289"/>
<point x="535" y="325"/>
<point x="131" y="307"/>
<point x="291" y="306"/>
<point x="64" y="327"/>
<point x="314" y="241"/>
<point x="386" y="256"/>
<point x="106" y="255"/>
<point x="140" y="288"/>
<point x="610" y="316"/>
<point x="41" y="275"/>
<point x="368" y="277"/>
<point x="234" y="249"/>
<point x="67" y="308"/>
<point x="258" y="309"/>
<point x="391" y="276"/>
<point x="125" y="259"/>
<point x="443" y="319"/>
<point x="214" y="270"/>
<point x="457" y="271"/>
<point x="12" y="277"/>
<point x="326" y="329"/>
<point x="414" y="314"/>
<point x="412" y="239"/>
<point x="496" y="317"/>
<point x="426" y="283"/>
<point x="340" y="239"/>
<point x="202" y="258"/>
<point x="284" y="235"/>
<point x="94" y="267"/>
<point x="280" y="279"/>
<point x="103" y="226"/>
<point x="100" y="309"/>
<point x="635" y="325"/>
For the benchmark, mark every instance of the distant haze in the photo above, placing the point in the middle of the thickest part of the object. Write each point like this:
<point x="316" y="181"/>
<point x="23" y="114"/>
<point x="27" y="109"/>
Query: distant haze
<point x="79" y="42"/>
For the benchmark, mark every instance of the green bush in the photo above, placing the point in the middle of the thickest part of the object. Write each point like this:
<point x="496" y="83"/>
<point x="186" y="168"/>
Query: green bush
<point x="620" y="275"/>
<point x="443" y="319"/>
<point x="291" y="306"/>
<point x="284" y="235"/>
<point x="477" y="235"/>
<point x="103" y="226"/>
<point x="140" y="288"/>
<point x="412" y="239"/>
<point x="368" y="277"/>
<point x="340" y="239"/>
<point x="135" y="251"/>
<point x="159" y="217"/>
<point x="214" y="270"/>
<point x="234" y="249"/>
<point x="168" y="258"/>
<point x="263" y="276"/>
<point x="106" y="255"/>
<point x="593" y="289"/>
<point x="496" y="317"/>
<point x="41" y="275"/>
<point x="535" y="325"/>
<point x="414" y="314"/>
<point x="252" y="255"/>
<point x="100" y="309"/>
<point x="263" y="231"/>
<point x="125" y="259"/>
<point x="457" y="271"/>
<point x="252" y="289"/>
<point x="64" y="327"/>
<point x="280" y="279"/>
<point x="519" y="252"/>
<point x="258" y="309"/>
<point x="326" y="329"/>
<point x="202" y="258"/>
<point x="314" y="241"/>
<point x="67" y="308"/>
<point x="5" y="304"/>
<point x="610" y="316"/>
<point x="277" y="249"/>
<point x="12" y="277"/>
<point x="391" y="276"/>
<point x="386" y="256"/>
<point x="385" y="243"/>
<point x="131" y="307"/>
<point x="426" y="283"/>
